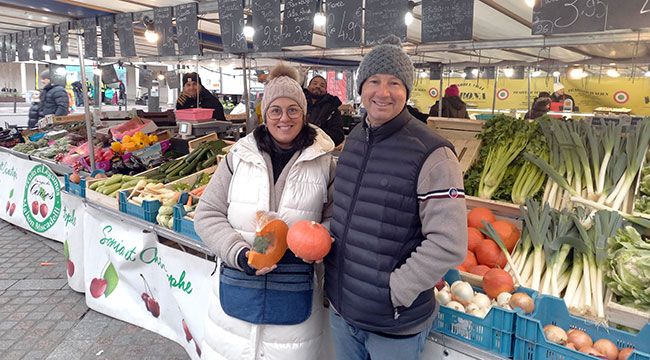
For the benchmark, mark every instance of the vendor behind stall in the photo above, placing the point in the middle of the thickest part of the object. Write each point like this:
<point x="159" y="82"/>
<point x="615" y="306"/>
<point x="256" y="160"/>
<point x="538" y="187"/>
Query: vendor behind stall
<point x="192" y="88"/>
<point x="560" y="96"/>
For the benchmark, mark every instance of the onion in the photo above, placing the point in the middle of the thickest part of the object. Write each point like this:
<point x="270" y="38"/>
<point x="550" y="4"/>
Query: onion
<point x="482" y="300"/>
<point x="523" y="302"/>
<point x="625" y="353"/>
<point x="579" y="338"/>
<point x="75" y="178"/>
<point x="471" y="307"/>
<point x="555" y="334"/>
<point x="571" y="346"/>
<point x="480" y="312"/>
<point x="456" y="306"/>
<point x="462" y="292"/>
<point x="607" y="348"/>
<point x="443" y="297"/>
<point x="591" y="351"/>
<point x="503" y="298"/>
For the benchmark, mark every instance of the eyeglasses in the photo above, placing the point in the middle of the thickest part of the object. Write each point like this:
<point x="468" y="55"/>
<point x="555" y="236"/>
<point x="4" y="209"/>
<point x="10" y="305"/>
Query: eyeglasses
<point x="275" y="113"/>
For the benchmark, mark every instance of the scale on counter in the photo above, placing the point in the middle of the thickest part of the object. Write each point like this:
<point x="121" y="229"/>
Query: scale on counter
<point x="189" y="130"/>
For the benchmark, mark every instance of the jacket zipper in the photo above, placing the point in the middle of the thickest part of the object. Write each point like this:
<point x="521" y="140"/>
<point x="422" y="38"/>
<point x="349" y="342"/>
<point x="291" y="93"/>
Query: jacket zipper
<point x="352" y="206"/>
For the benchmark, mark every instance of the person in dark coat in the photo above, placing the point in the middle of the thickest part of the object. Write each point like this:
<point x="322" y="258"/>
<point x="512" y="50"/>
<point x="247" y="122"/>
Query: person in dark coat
<point x="78" y="90"/>
<point x="54" y="100"/>
<point x="192" y="87"/>
<point x="559" y="95"/>
<point x="452" y="105"/>
<point x="33" y="111"/>
<point x="417" y="114"/>
<point x="323" y="109"/>
<point x="539" y="109"/>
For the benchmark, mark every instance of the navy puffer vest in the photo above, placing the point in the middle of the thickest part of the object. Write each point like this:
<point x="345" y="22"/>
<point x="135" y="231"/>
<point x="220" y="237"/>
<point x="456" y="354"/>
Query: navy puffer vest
<point x="376" y="223"/>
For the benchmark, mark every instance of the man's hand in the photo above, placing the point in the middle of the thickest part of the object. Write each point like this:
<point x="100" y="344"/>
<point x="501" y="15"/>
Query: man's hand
<point x="182" y="98"/>
<point x="315" y="262"/>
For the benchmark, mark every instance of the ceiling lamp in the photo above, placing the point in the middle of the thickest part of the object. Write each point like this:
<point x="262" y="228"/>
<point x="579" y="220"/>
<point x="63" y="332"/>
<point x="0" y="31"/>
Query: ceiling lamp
<point x="150" y="34"/>
<point x="61" y="71"/>
<point x="249" y="31"/>
<point x="508" y="72"/>
<point x="647" y="73"/>
<point x="408" y="17"/>
<point x="319" y="17"/>
<point x="556" y="73"/>
<point x="530" y="3"/>
<point x="576" y="73"/>
<point x="161" y="77"/>
<point x="613" y="73"/>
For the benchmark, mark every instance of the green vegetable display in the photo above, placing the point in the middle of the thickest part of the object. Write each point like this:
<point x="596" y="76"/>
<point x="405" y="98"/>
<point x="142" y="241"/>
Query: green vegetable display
<point x="204" y="156"/>
<point x="629" y="268"/>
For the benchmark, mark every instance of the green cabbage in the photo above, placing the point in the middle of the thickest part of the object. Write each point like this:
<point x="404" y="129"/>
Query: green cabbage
<point x="629" y="268"/>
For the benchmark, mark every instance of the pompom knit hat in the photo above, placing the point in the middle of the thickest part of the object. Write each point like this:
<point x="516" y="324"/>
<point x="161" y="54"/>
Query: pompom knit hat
<point x="452" y="90"/>
<point x="284" y="82"/>
<point x="387" y="58"/>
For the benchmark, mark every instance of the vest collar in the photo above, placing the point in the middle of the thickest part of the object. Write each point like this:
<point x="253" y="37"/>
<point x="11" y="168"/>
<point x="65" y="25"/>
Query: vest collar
<point x="386" y="130"/>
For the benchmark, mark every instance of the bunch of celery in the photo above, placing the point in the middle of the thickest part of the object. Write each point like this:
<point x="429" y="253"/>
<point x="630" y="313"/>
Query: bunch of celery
<point x="530" y="178"/>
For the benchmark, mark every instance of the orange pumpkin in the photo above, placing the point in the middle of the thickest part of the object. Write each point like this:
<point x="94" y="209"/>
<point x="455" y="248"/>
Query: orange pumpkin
<point x="269" y="245"/>
<point x="508" y="233"/>
<point x="309" y="240"/>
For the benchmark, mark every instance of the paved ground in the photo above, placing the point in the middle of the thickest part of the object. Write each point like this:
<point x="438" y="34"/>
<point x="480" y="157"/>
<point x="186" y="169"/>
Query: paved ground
<point x="42" y="318"/>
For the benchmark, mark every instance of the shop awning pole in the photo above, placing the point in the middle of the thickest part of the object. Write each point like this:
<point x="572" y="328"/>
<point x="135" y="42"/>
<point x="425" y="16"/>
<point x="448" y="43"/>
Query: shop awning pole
<point x="442" y="68"/>
<point x="529" y="88"/>
<point x="251" y="122"/>
<point x="84" y="86"/>
<point x="494" y="93"/>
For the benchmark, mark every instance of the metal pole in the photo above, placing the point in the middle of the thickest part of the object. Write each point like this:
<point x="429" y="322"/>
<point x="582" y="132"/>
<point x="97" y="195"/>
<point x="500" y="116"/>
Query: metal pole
<point x="84" y="86"/>
<point x="250" y="120"/>
<point x="442" y="68"/>
<point x="494" y="93"/>
<point x="529" y="88"/>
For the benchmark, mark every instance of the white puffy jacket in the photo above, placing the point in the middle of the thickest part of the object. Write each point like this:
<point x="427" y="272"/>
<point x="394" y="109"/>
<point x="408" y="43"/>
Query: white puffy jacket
<point x="303" y="196"/>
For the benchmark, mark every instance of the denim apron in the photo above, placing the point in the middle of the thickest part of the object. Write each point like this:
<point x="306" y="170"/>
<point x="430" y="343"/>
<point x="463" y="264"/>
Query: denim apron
<point x="281" y="297"/>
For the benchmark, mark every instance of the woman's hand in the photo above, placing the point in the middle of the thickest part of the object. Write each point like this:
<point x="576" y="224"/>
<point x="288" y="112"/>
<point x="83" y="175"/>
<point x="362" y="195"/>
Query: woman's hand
<point x="262" y="271"/>
<point x="315" y="262"/>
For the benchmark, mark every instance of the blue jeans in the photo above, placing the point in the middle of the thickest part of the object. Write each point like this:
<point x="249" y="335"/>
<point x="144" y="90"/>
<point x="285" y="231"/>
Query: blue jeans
<point x="351" y="343"/>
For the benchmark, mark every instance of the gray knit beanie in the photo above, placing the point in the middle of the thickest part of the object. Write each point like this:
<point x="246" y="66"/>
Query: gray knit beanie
<point x="45" y="74"/>
<point x="387" y="58"/>
<point x="284" y="82"/>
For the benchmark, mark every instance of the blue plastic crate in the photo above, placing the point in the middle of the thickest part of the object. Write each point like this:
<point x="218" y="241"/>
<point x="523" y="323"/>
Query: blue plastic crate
<point x="148" y="211"/>
<point x="182" y="225"/>
<point x="494" y="333"/>
<point x="530" y="343"/>
<point x="75" y="189"/>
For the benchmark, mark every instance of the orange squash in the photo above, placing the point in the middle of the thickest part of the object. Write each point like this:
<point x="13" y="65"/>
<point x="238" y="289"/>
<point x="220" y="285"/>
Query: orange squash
<point x="309" y="240"/>
<point x="269" y="245"/>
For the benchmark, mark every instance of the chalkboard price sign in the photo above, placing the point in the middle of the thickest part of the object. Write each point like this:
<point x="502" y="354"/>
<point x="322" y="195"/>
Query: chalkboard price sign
<point x="64" y="29"/>
<point x="22" y="44"/>
<point x="628" y="14"/>
<point x="231" y="18"/>
<point x="49" y="38"/>
<point x="39" y="53"/>
<point x="3" y="50"/>
<point x="107" y="23"/>
<point x="384" y="17"/>
<point x="298" y="22"/>
<point x="343" y="23"/>
<point x="89" y="26"/>
<point x="172" y="80"/>
<point x="145" y="78"/>
<point x="162" y="18"/>
<point x="109" y="76"/>
<point x="124" y="23"/>
<point x="569" y="16"/>
<point x="187" y="29"/>
<point x="266" y="21"/>
<point x="13" y="47"/>
<point x="447" y="20"/>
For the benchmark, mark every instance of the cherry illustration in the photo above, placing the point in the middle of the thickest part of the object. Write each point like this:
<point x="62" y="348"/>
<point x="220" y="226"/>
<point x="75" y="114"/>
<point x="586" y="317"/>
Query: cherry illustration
<point x="70" y="268"/>
<point x="12" y="209"/>
<point x="98" y="287"/>
<point x="8" y="205"/>
<point x="35" y="207"/>
<point x="188" y="334"/>
<point x="44" y="210"/>
<point x="149" y="301"/>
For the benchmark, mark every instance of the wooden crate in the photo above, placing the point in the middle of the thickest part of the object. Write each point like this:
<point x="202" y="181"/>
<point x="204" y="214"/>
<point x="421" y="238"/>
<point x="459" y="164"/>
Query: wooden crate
<point x="462" y="134"/>
<point x="193" y="144"/>
<point x="499" y="208"/>
<point x="190" y="179"/>
<point x="624" y="315"/>
<point x="99" y="198"/>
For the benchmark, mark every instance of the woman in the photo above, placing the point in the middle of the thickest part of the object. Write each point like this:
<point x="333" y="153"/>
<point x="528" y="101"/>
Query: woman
<point x="452" y="105"/>
<point x="284" y="166"/>
<point x="539" y="109"/>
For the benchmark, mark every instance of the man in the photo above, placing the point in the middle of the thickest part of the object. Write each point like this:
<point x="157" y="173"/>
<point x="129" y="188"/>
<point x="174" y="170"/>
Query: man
<point x="452" y="105"/>
<point x="54" y="99"/>
<point x="560" y="96"/>
<point x="323" y="109"/>
<point x="399" y="221"/>
<point x="193" y="88"/>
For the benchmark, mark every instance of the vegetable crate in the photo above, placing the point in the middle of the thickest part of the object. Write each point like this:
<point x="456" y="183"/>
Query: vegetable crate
<point x="494" y="333"/>
<point x="462" y="134"/>
<point x="531" y="344"/>
<point x="147" y="212"/>
<point x="75" y="189"/>
<point x="184" y="226"/>
<point x="625" y="315"/>
<point x="99" y="198"/>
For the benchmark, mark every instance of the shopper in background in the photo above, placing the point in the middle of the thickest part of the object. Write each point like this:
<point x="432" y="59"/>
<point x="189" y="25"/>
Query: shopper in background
<point x="323" y="109"/>
<point x="417" y="114"/>
<point x="399" y="221"/>
<point x="54" y="99"/>
<point x="284" y="166"/>
<point x="193" y="88"/>
<point x="452" y="105"/>
<point x="560" y="96"/>
<point x="541" y="106"/>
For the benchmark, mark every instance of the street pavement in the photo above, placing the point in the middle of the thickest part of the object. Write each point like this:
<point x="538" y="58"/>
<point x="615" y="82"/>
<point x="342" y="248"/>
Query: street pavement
<point x="42" y="318"/>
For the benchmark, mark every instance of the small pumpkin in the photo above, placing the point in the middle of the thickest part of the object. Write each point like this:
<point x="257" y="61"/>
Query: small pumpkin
<point x="269" y="245"/>
<point x="309" y="240"/>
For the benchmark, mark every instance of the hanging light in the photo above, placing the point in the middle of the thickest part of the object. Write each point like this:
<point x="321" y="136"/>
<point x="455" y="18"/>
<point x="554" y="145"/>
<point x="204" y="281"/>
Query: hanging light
<point x="249" y="31"/>
<point x="150" y="33"/>
<point x="576" y="73"/>
<point x="613" y="73"/>
<point x="556" y="73"/>
<point x="647" y="73"/>
<point x="536" y="73"/>
<point x="475" y="72"/>
<point x="423" y="73"/>
<point x="530" y="3"/>
<point x="97" y="71"/>
<point x="61" y="71"/>
<point x="319" y="17"/>
<point x="508" y="72"/>
<point x="463" y="74"/>
<point x="408" y="17"/>
<point x="161" y="77"/>
<point x="47" y="48"/>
